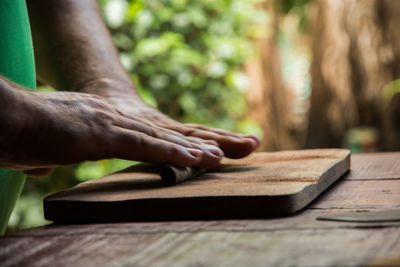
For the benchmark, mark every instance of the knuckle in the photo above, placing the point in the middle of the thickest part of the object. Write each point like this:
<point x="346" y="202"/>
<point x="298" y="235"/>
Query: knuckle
<point x="173" y="151"/>
<point x="102" y="116"/>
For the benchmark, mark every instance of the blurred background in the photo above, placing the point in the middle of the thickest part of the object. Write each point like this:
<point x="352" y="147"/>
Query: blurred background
<point x="299" y="73"/>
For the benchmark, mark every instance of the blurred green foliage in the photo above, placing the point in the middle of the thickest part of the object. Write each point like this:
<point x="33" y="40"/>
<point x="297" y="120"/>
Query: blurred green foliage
<point x="188" y="55"/>
<point x="289" y="5"/>
<point x="299" y="7"/>
<point x="391" y="89"/>
<point x="186" y="58"/>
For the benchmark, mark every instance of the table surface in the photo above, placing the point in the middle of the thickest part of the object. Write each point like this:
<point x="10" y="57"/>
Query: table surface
<point x="373" y="184"/>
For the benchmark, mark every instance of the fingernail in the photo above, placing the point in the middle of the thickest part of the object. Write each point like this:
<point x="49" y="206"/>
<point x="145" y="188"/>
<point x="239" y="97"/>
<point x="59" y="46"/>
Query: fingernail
<point x="195" y="152"/>
<point x="211" y="142"/>
<point x="253" y="142"/>
<point x="254" y="137"/>
<point x="216" y="151"/>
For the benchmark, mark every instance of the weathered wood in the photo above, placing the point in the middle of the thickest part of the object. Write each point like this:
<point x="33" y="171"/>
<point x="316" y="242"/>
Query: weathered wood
<point x="288" y="241"/>
<point x="378" y="194"/>
<point x="304" y="220"/>
<point x="374" y="166"/>
<point x="223" y="247"/>
<point x="262" y="185"/>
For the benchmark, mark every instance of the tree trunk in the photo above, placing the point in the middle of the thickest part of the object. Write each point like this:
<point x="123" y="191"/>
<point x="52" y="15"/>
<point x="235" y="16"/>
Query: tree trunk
<point x="267" y="96"/>
<point x="356" y="52"/>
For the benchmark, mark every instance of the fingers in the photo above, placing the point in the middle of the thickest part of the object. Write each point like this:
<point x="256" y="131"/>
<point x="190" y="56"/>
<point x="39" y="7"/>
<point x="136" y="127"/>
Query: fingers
<point x="233" y="145"/>
<point x="135" y="145"/>
<point x="224" y="132"/>
<point x="160" y="126"/>
<point x="211" y="153"/>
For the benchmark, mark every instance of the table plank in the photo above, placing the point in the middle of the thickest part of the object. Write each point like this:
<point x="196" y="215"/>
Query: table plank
<point x="294" y="240"/>
<point x="305" y="220"/>
<point x="326" y="247"/>
<point x="360" y="194"/>
<point x="373" y="166"/>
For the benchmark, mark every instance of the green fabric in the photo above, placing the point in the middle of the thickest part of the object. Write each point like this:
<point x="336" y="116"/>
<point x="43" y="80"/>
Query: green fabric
<point x="17" y="64"/>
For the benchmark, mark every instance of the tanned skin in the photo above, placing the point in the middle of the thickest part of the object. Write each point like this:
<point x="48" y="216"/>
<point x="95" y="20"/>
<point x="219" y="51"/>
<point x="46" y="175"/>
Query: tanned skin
<point x="104" y="117"/>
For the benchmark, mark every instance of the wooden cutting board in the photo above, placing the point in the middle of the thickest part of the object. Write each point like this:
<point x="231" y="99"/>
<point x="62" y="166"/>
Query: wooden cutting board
<point x="261" y="185"/>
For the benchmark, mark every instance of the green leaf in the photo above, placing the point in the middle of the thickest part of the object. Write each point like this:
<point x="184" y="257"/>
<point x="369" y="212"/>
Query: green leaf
<point x="391" y="89"/>
<point x="134" y="8"/>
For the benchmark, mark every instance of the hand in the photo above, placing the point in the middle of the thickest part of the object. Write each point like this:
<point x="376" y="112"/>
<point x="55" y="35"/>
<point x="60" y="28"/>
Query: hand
<point x="122" y="96"/>
<point x="45" y="130"/>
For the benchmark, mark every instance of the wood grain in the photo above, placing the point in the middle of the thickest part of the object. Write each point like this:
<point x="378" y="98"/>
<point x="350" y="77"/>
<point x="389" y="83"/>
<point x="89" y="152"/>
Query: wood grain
<point x="288" y="241"/>
<point x="206" y="243"/>
<point x="262" y="185"/>
<point x="381" y="194"/>
<point x="374" y="166"/>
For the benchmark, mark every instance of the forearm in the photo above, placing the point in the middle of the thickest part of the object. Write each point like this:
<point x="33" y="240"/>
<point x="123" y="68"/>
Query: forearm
<point x="8" y="97"/>
<point x="5" y="95"/>
<point x="73" y="47"/>
<point x="7" y="100"/>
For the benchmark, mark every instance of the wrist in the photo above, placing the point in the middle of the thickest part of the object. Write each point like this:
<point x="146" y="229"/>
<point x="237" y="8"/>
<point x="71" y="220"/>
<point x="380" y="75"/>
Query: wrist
<point x="8" y="127"/>
<point x="7" y="98"/>
<point x="107" y="87"/>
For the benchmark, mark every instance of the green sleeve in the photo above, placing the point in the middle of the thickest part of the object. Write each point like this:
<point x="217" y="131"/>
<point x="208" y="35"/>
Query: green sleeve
<point x="17" y="64"/>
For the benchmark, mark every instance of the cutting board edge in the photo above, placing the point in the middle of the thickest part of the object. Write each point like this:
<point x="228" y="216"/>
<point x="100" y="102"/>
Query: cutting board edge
<point x="89" y="211"/>
<point x="55" y="209"/>
<point x="340" y="170"/>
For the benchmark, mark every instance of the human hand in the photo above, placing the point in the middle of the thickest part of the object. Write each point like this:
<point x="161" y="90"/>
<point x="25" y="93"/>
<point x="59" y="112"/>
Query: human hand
<point x="79" y="56"/>
<point x="232" y="144"/>
<point x="45" y="130"/>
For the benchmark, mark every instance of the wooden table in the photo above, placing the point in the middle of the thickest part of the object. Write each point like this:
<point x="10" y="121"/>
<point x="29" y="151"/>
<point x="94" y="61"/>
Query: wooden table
<point x="373" y="184"/>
